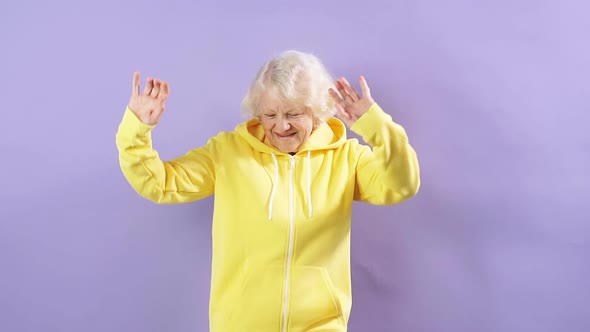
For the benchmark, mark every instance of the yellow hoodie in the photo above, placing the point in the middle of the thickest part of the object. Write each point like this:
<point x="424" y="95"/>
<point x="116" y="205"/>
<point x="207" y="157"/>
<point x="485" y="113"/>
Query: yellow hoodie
<point x="281" y="223"/>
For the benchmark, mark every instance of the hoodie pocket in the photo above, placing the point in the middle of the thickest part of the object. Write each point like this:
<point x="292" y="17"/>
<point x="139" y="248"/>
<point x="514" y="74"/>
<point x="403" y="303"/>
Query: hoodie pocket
<point x="259" y="305"/>
<point x="313" y="301"/>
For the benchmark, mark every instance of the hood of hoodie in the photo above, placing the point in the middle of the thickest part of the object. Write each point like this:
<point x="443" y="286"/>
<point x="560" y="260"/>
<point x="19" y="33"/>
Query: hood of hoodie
<point x="328" y="135"/>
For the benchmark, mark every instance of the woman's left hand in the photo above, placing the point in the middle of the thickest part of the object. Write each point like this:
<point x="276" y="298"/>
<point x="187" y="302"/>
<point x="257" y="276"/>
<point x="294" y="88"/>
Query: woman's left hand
<point x="349" y="105"/>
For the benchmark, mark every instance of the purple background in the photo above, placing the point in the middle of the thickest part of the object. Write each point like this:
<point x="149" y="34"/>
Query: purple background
<point x="494" y="96"/>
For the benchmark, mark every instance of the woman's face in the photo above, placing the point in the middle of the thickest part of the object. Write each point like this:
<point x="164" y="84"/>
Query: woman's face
<point x="286" y="127"/>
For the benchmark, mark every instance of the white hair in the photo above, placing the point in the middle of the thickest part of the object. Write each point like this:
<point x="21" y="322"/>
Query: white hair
<point x="294" y="77"/>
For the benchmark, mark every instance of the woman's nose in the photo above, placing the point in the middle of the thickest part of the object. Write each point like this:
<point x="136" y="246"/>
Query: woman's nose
<point x="283" y="124"/>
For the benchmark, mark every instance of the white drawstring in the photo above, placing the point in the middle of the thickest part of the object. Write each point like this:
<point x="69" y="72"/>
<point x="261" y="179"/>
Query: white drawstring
<point x="274" y="187"/>
<point x="309" y="182"/>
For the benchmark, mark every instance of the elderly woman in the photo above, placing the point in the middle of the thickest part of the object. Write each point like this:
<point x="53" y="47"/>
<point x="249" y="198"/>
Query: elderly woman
<point x="284" y="182"/>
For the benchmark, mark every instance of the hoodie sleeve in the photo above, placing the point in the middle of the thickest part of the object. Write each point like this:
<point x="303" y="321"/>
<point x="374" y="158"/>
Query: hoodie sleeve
<point x="184" y="179"/>
<point x="387" y="172"/>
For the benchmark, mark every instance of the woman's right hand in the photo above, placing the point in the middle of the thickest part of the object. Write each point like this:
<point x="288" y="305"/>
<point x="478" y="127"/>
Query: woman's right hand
<point x="150" y="104"/>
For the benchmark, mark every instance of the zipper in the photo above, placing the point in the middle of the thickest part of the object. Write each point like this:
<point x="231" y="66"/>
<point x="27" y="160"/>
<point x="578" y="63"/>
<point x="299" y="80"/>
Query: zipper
<point x="290" y="248"/>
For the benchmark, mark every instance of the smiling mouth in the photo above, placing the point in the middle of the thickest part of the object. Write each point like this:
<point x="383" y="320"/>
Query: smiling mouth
<point x="285" y="136"/>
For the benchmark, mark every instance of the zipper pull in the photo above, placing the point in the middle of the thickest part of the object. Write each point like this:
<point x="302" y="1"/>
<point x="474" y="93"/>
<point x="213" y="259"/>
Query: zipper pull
<point x="292" y="161"/>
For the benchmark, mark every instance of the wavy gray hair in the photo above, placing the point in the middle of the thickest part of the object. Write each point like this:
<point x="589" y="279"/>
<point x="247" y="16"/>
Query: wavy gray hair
<point x="297" y="78"/>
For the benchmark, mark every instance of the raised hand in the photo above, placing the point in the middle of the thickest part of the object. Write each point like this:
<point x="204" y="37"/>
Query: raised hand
<point x="149" y="105"/>
<point x="349" y="105"/>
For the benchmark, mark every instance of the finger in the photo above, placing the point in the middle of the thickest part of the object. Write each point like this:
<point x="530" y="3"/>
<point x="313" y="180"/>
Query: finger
<point x="349" y="100"/>
<point x="345" y="99"/>
<point x="156" y="89"/>
<point x="164" y="90"/>
<point x="335" y="96"/>
<point x="342" y="114"/>
<point x="350" y="90"/>
<point x="135" y="91"/>
<point x="364" y="87"/>
<point x="341" y="89"/>
<point x="148" y="86"/>
<point x="342" y="102"/>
